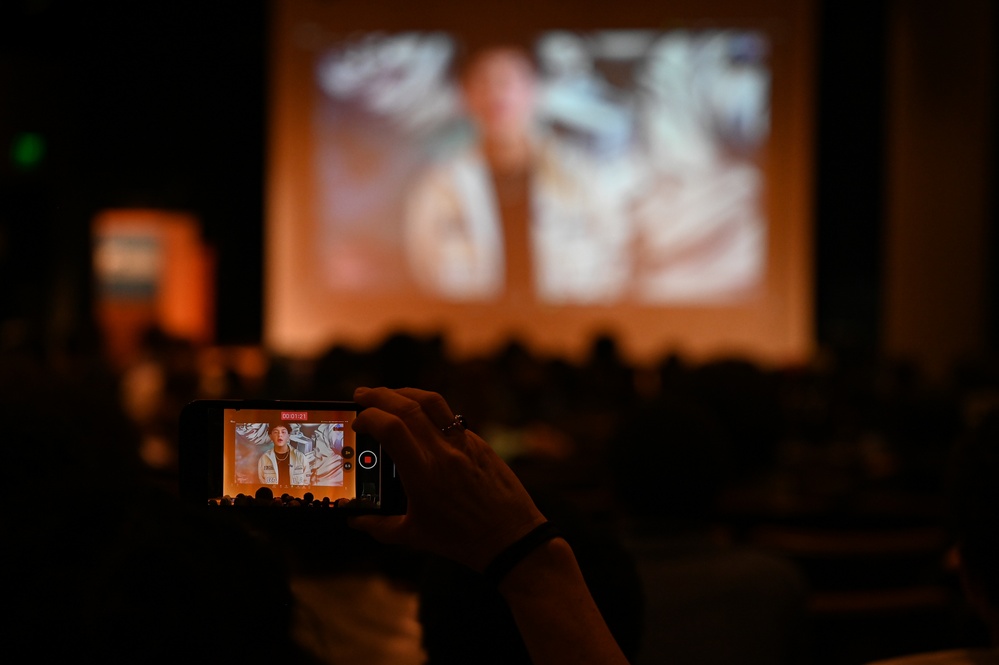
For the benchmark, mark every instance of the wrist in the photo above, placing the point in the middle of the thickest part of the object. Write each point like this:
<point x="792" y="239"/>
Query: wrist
<point x="542" y="566"/>
<point x="511" y="556"/>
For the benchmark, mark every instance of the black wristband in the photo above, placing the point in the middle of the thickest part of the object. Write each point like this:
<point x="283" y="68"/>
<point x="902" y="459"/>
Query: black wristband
<point x="506" y="560"/>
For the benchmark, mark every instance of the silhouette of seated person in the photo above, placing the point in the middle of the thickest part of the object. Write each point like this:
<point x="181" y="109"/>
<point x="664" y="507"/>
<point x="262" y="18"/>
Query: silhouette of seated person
<point x="105" y="561"/>
<point x="974" y="518"/>
<point x="707" y="601"/>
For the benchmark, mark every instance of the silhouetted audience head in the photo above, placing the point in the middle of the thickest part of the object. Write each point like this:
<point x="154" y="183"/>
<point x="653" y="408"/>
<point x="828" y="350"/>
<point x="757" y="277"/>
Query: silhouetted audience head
<point x="104" y="562"/>
<point x="670" y="462"/>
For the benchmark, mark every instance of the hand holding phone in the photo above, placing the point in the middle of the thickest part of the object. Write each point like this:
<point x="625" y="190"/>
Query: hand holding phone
<point x="464" y="502"/>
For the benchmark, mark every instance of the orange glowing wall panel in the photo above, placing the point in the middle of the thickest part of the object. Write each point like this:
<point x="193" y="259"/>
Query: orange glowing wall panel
<point x="151" y="269"/>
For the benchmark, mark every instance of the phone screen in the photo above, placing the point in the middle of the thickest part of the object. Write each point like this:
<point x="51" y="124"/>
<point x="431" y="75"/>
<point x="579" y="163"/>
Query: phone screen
<point x="295" y="451"/>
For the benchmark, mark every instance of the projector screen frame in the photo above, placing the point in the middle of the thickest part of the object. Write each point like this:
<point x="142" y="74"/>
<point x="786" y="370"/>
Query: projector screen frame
<point x="775" y="326"/>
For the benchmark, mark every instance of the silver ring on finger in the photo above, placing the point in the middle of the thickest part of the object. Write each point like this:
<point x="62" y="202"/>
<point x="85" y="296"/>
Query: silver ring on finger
<point x="456" y="425"/>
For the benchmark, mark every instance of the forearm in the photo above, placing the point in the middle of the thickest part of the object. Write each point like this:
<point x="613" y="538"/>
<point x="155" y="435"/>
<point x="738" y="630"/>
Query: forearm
<point x="556" y="614"/>
<point x="554" y="611"/>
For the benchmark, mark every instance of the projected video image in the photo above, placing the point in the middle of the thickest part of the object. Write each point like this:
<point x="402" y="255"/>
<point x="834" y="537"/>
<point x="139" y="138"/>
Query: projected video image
<point x="312" y="451"/>
<point x="289" y="454"/>
<point x="583" y="168"/>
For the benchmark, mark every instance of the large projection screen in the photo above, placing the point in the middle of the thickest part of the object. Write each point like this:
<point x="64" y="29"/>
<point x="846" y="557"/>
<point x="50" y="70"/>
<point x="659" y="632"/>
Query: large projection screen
<point x="545" y="174"/>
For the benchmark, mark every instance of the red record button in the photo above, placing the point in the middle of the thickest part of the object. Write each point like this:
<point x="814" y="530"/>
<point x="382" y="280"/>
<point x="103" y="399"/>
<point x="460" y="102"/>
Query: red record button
<point x="367" y="459"/>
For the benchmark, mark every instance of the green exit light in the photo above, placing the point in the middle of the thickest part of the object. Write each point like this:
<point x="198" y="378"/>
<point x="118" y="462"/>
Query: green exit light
<point x="27" y="150"/>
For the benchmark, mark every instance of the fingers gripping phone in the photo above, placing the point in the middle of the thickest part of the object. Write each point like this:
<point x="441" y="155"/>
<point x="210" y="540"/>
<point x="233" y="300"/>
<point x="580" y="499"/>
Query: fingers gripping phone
<point x="232" y="447"/>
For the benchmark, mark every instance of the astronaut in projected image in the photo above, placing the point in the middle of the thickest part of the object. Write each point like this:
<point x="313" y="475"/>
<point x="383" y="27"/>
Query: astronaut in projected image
<point x="328" y="462"/>
<point x="704" y="110"/>
<point x="518" y="215"/>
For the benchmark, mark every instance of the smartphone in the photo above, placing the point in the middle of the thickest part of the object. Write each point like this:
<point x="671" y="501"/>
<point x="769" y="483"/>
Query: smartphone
<point x="298" y="448"/>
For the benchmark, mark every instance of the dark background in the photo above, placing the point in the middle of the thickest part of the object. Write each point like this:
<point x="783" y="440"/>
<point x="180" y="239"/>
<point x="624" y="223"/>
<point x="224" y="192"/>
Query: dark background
<point x="164" y="105"/>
